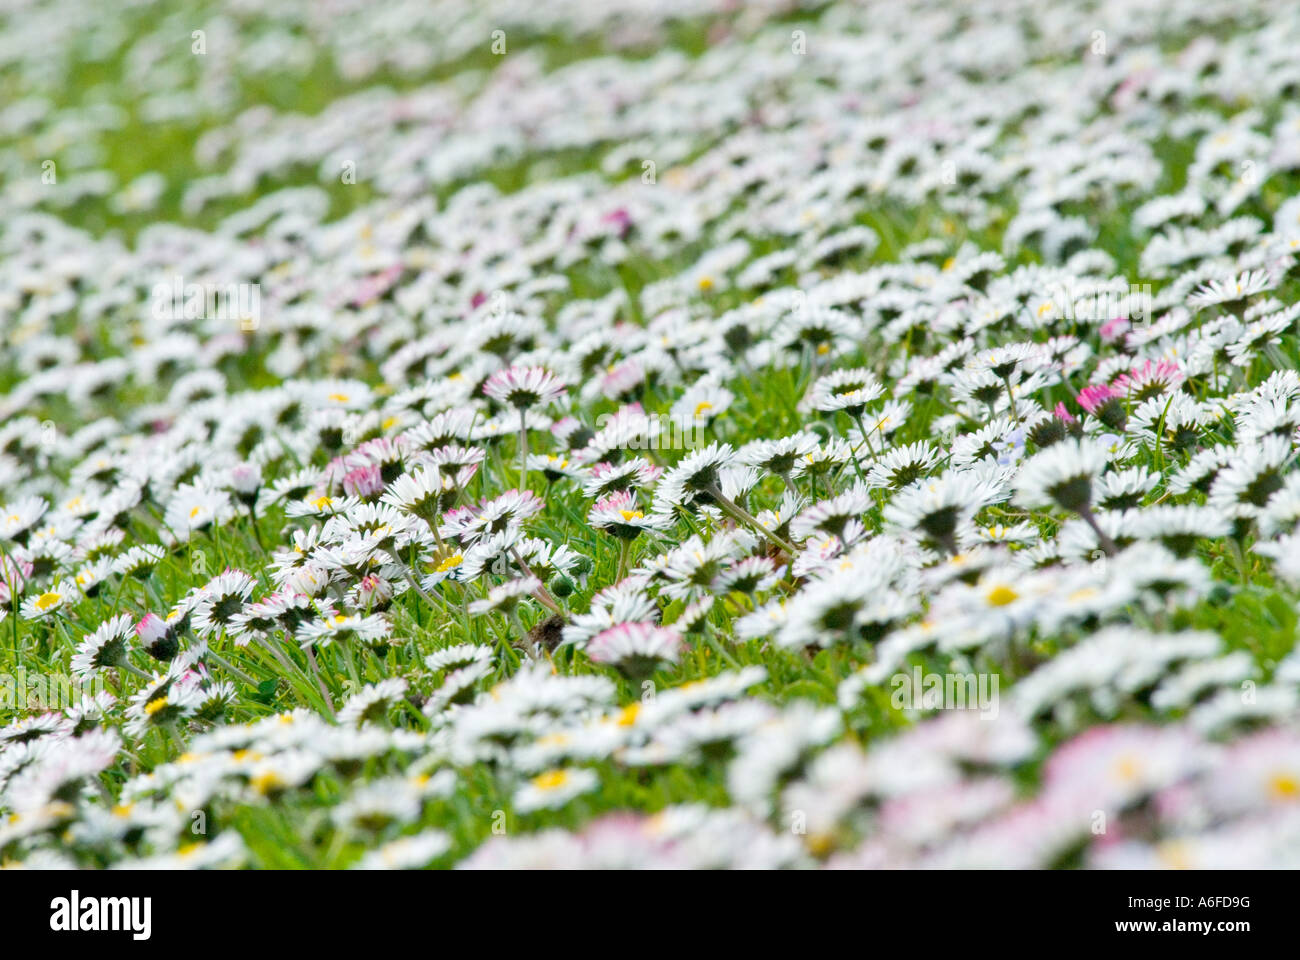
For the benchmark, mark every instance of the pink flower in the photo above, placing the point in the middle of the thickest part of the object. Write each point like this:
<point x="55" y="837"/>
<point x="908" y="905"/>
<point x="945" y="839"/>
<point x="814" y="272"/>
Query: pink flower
<point x="374" y="591"/>
<point x="620" y="219"/>
<point x="1113" y="329"/>
<point x="150" y="629"/>
<point x="524" y="387"/>
<point x="1158" y="373"/>
<point x="1063" y="414"/>
<point x="1092" y="398"/>
<point x="364" y="482"/>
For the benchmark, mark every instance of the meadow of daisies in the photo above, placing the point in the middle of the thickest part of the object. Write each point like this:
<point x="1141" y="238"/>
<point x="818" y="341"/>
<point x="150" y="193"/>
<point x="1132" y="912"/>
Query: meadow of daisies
<point x="698" y="434"/>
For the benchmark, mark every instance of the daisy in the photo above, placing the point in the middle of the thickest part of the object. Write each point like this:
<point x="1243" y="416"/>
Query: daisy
<point x="636" y="649"/>
<point x="373" y="702"/>
<point x="505" y="597"/>
<point x="607" y="478"/>
<point x="159" y="637"/>
<point x="899" y="466"/>
<point x="139" y="561"/>
<point x="104" y="648"/>
<point x="1243" y="487"/>
<point x="195" y="507"/>
<point x="1104" y="402"/>
<point x="620" y="515"/>
<point x="778" y="457"/>
<point x="162" y="703"/>
<point x="554" y="789"/>
<point x="407" y="853"/>
<point x="934" y="509"/>
<point x="748" y="576"/>
<point x="700" y="404"/>
<point x="848" y="390"/>
<point x="90" y="578"/>
<point x="1125" y="489"/>
<point x="371" y="630"/>
<point x="48" y="602"/>
<point x="221" y="600"/>
<point x="1233" y="292"/>
<point x="524" y="388"/>
<point x="19" y="518"/>
<point x="1152" y="379"/>
<point x="1064" y="475"/>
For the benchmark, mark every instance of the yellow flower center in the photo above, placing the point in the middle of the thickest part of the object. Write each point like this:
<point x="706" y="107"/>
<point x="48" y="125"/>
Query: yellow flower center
<point x="48" y="601"/>
<point x="1001" y="595"/>
<point x="1284" y="786"/>
<point x="452" y="561"/>
<point x="551" y="780"/>
<point x="1128" y="768"/>
<point x="266" y="782"/>
<point x="1174" y="854"/>
<point x="153" y="706"/>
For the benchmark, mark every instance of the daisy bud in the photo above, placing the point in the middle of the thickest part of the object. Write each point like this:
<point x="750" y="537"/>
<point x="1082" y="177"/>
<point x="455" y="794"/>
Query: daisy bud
<point x="245" y="480"/>
<point x="156" y="637"/>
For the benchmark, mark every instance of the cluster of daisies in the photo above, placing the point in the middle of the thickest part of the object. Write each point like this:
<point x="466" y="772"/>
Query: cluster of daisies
<point x="619" y="512"/>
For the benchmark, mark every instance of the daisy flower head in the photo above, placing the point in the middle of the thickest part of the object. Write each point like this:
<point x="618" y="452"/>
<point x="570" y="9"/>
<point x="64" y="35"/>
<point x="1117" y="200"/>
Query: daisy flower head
<point x="636" y="649"/>
<point x="1062" y="475"/>
<point x="694" y="479"/>
<point x="1232" y="292"/>
<point x="104" y="648"/>
<point x="163" y="702"/>
<point x="407" y="853"/>
<point x="606" y="478"/>
<point x="139" y="561"/>
<point x="244" y="480"/>
<point x="496" y="515"/>
<point x="700" y="404"/>
<point x="19" y="518"/>
<point x="935" y="509"/>
<point x="1244" y="486"/>
<point x="373" y="702"/>
<point x="48" y="602"/>
<point x="372" y="630"/>
<point x="195" y="507"/>
<point x="1105" y="403"/>
<point x="778" y="456"/>
<point x="505" y="597"/>
<point x="1153" y="378"/>
<point x="90" y="578"/>
<point x="524" y="387"/>
<point x="847" y="390"/>
<point x="620" y="515"/>
<point x="553" y="789"/>
<point x="221" y="600"/>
